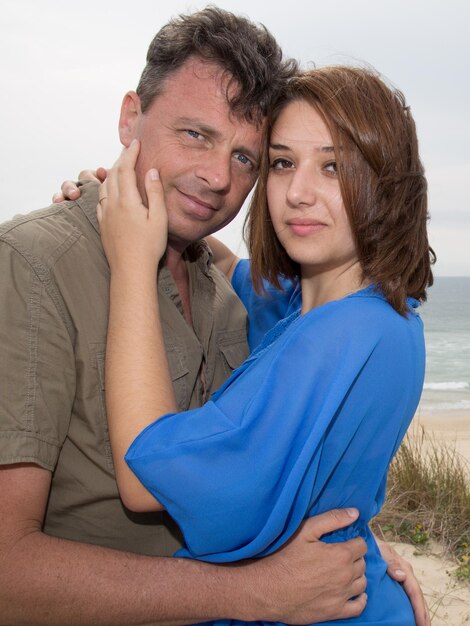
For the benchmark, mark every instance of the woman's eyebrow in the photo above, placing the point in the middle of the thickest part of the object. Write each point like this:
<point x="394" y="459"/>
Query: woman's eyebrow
<point x="280" y="146"/>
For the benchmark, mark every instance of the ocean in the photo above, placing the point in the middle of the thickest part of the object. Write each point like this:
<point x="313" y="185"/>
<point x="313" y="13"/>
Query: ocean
<point x="446" y="317"/>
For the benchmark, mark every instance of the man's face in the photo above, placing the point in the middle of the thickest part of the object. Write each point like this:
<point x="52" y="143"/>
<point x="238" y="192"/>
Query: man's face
<point x="207" y="158"/>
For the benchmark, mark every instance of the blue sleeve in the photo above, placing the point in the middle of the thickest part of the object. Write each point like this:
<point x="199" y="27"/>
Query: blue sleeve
<point x="264" y="310"/>
<point x="306" y="425"/>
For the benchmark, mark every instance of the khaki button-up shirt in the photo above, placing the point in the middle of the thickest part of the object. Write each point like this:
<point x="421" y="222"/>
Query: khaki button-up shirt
<point x="54" y="284"/>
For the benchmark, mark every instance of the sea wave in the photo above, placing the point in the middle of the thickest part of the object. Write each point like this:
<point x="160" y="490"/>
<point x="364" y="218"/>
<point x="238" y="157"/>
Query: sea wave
<point x="463" y="405"/>
<point x="450" y="386"/>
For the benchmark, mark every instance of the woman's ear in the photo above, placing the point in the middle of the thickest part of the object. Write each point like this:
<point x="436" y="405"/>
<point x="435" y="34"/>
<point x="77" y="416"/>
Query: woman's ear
<point x="130" y="114"/>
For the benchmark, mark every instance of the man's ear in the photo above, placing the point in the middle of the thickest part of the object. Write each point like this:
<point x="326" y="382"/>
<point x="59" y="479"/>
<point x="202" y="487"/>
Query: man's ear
<point x="129" y="117"/>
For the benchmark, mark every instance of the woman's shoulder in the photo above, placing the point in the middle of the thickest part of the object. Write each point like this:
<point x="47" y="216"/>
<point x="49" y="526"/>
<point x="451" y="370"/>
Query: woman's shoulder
<point x="361" y="316"/>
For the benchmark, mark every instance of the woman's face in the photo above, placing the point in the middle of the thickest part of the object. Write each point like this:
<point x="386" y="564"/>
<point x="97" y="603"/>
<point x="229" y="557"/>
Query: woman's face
<point x="303" y="192"/>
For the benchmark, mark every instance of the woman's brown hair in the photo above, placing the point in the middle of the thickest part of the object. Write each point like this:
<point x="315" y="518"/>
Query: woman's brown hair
<point x="381" y="179"/>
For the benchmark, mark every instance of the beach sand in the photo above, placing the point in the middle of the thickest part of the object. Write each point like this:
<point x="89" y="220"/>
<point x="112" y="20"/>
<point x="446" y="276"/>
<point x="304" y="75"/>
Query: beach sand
<point x="452" y="427"/>
<point x="447" y="598"/>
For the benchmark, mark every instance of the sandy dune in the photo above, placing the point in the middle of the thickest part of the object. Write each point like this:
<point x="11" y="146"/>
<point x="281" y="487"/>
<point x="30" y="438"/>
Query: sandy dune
<point x="448" y="599"/>
<point x="450" y="426"/>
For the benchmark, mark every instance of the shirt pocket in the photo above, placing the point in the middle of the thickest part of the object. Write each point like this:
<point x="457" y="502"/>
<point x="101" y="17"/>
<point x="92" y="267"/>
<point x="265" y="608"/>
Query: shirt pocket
<point x="233" y="348"/>
<point x="179" y="375"/>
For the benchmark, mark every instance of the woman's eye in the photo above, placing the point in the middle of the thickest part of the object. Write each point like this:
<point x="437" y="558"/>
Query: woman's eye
<point x="331" y="167"/>
<point x="281" y="164"/>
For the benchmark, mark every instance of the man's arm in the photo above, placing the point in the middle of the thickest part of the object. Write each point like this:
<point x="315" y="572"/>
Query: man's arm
<point x="46" y="580"/>
<point x="224" y="259"/>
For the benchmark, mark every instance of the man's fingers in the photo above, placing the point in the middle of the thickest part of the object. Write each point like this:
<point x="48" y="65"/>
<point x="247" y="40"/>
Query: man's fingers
<point x="89" y="175"/>
<point x="70" y="190"/>
<point x="353" y="608"/>
<point x="421" y="611"/>
<point x="359" y="568"/>
<point x="327" y="522"/>
<point x="357" y="547"/>
<point x="396" y="565"/>
<point x="101" y="174"/>
<point x="358" y="586"/>
<point x="400" y="570"/>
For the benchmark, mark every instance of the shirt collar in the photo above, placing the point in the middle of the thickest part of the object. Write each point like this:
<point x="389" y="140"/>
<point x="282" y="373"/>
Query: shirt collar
<point x="201" y="254"/>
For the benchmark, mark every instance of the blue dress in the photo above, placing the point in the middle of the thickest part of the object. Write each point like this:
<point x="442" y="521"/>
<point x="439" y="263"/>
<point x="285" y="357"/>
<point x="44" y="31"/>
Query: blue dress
<point x="264" y="311"/>
<point x="310" y="422"/>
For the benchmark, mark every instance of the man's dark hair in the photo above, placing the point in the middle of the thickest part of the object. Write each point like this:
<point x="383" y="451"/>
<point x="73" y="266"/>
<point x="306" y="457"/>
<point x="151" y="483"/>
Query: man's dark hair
<point x="246" y="51"/>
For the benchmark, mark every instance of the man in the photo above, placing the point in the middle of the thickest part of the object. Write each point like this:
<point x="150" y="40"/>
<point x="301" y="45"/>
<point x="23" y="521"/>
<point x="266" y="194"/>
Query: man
<point x="70" y="552"/>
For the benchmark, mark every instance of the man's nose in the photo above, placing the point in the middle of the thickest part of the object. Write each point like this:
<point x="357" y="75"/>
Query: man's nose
<point x="215" y="169"/>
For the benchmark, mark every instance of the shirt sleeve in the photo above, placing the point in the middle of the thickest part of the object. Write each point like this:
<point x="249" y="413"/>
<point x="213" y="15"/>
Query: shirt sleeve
<point x="266" y="309"/>
<point x="308" y="425"/>
<point x="36" y="366"/>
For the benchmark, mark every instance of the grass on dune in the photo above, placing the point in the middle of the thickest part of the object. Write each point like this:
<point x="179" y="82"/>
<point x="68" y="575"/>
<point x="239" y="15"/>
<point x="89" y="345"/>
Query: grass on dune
<point x="428" y="497"/>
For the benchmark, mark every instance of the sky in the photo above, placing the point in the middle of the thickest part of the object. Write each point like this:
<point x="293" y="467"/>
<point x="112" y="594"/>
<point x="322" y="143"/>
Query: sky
<point x="66" y="66"/>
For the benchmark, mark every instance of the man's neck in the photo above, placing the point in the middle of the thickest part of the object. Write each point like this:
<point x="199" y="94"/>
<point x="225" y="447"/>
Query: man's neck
<point x="175" y="262"/>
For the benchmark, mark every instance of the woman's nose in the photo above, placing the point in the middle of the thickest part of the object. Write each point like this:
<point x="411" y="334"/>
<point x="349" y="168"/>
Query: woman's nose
<point x="302" y="190"/>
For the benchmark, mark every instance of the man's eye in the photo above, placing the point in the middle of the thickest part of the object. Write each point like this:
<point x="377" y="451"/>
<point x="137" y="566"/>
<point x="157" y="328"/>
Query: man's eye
<point x="281" y="164"/>
<point x="243" y="159"/>
<point x="193" y="133"/>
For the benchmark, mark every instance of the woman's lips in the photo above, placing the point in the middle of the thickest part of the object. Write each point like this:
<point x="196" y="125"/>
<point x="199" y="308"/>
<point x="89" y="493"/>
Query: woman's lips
<point x="302" y="228"/>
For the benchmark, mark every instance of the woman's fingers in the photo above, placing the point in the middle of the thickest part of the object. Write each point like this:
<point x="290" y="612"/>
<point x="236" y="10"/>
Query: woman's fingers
<point x="124" y="170"/>
<point x="103" y="196"/>
<point x="154" y="189"/>
<point x="157" y="215"/>
<point x="121" y="179"/>
<point x="132" y="234"/>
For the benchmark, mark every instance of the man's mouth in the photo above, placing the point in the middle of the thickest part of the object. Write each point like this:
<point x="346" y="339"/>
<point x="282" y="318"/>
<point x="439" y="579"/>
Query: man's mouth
<point x="195" y="206"/>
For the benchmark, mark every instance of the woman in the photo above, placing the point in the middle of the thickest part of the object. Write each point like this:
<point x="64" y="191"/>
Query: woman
<point x="313" y="418"/>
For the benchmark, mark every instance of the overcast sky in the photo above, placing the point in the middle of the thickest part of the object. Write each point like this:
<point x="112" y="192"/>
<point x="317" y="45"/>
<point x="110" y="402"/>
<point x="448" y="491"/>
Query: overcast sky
<point x="66" y="66"/>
